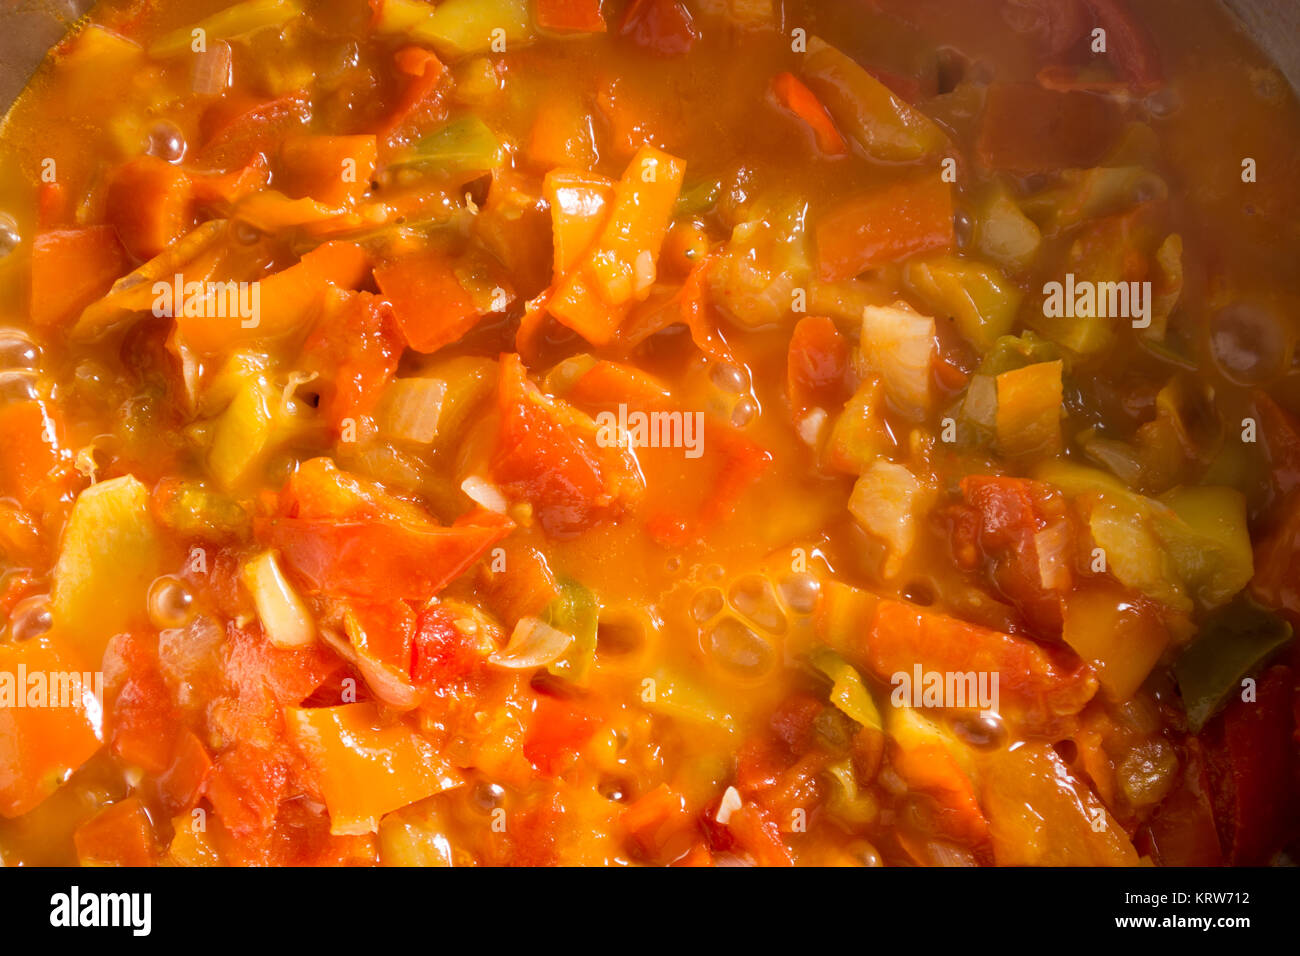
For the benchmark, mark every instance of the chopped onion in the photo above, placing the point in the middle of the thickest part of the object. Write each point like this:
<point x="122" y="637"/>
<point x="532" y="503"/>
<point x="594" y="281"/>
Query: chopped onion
<point x="885" y="502"/>
<point x="289" y="396"/>
<point x="811" y="426"/>
<point x="411" y="408"/>
<point x="731" y="802"/>
<point x="899" y="344"/>
<point x="389" y="684"/>
<point x="485" y="493"/>
<point x="285" y="618"/>
<point x="1053" y="560"/>
<point x="212" y="69"/>
<point x="534" y="643"/>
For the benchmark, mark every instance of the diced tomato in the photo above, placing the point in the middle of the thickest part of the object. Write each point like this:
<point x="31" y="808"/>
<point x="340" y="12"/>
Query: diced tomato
<point x="436" y="299"/>
<point x="664" y="27"/>
<point x="442" y="651"/>
<point x="32" y="453"/>
<point x="356" y="348"/>
<point x="269" y="677"/>
<point x="1250" y="756"/>
<point x="149" y="204"/>
<point x="383" y="557"/>
<point x="570" y="16"/>
<point x="818" y="366"/>
<point x="740" y="462"/>
<point x="246" y="786"/>
<point x="119" y="835"/>
<point x="558" y="729"/>
<point x="71" y="268"/>
<point x="791" y="93"/>
<point x="142" y="717"/>
<point x="181" y="785"/>
<point x="420" y="103"/>
<point x="237" y="127"/>
<point x="885" y="226"/>
<point x="1025" y="549"/>
<point x="1027" y="129"/>
<point x="547" y="454"/>
<point x="1037" y="686"/>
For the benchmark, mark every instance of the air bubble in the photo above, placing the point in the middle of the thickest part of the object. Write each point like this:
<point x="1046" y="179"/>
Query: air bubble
<point x="981" y="731"/>
<point x="17" y="350"/>
<point x="171" y="603"/>
<point x="31" y="617"/>
<point x="706" y="605"/>
<point x="752" y="597"/>
<point x="729" y="378"/>
<point x="739" y="649"/>
<point x="18" y="385"/>
<point x="9" y="236"/>
<point x="744" y="412"/>
<point x="800" y="592"/>
<point x="167" y="142"/>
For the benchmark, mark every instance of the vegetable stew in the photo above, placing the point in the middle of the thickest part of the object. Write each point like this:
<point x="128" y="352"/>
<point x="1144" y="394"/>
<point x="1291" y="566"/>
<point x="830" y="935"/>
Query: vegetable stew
<point x="532" y="432"/>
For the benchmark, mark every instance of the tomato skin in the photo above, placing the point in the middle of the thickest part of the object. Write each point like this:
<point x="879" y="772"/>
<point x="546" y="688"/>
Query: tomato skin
<point x="1040" y="688"/>
<point x="142" y="718"/>
<point x="557" y="731"/>
<point x="441" y="651"/>
<point x="1251" y="757"/>
<point x="382" y="557"/>
<point x="245" y="788"/>
<point x="236" y="128"/>
<point x="547" y="454"/>
<point x="356" y="349"/>
<point x="998" y="535"/>
<point x="663" y="27"/>
<point x="818" y="366"/>
<point x="119" y="835"/>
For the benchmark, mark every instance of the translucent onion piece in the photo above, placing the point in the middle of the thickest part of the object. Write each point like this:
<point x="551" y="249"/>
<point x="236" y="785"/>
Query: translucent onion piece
<point x="285" y="618"/>
<point x="534" y="643"/>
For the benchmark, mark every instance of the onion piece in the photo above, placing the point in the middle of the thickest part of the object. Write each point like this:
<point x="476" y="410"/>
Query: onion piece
<point x="285" y="617"/>
<point x="729" y="804"/>
<point x="411" y="408"/>
<point x="534" y="643"/>
<point x="886" y="501"/>
<point x="898" y="343"/>
<point x="483" y="492"/>
<point x="212" y="73"/>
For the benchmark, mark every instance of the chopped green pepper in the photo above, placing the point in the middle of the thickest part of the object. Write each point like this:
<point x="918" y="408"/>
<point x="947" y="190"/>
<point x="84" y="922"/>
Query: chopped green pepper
<point x="1234" y="642"/>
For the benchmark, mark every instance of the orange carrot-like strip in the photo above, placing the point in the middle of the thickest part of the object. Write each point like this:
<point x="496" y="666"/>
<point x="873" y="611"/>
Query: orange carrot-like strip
<point x="885" y="226"/>
<point x="791" y="93"/>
